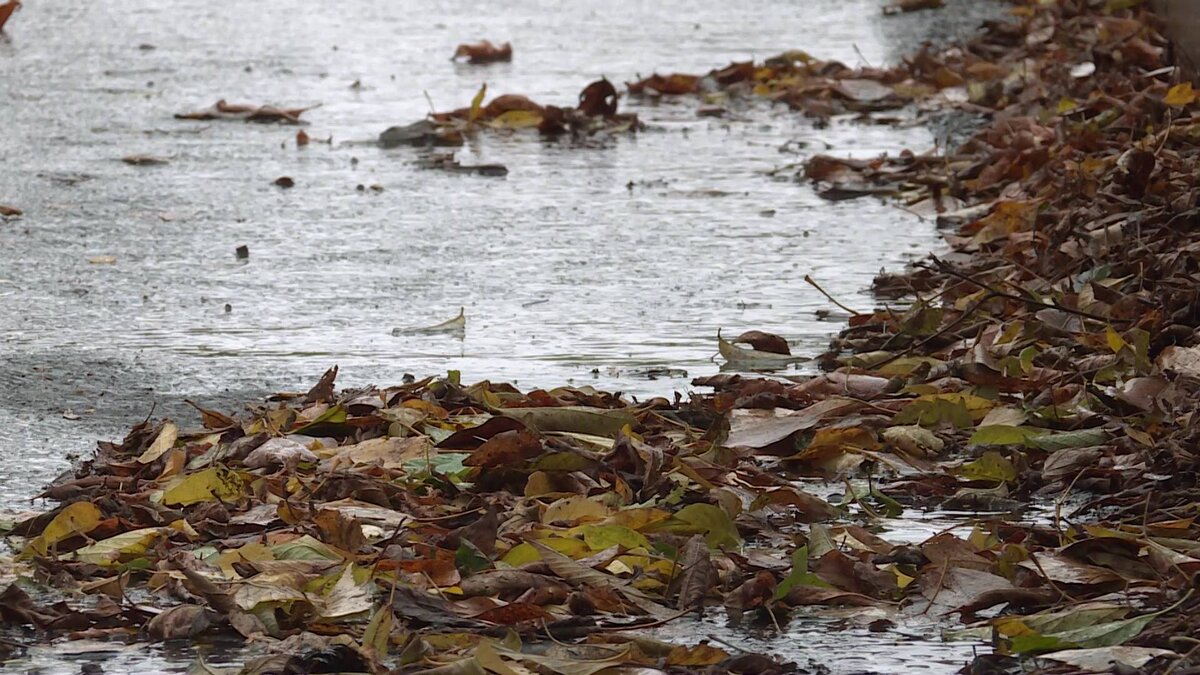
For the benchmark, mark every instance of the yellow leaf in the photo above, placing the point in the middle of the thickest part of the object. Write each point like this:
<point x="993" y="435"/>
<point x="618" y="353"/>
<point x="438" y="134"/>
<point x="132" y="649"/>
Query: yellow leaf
<point x="125" y="546"/>
<point x="214" y="483"/>
<point x="525" y="552"/>
<point x="77" y="518"/>
<point x="1066" y="105"/>
<point x="637" y="518"/>
<point x="185" y="528"/>
<point x="251" y="552"/>
<point x="700" y="655"/>
<point x="516" y="119"/>
<point x="1180" y="95"/>
<point x="378" y="631"/>
<point x="600" y="537"/>
<point x="164" y="442"/>
<point x="574" y="509"/>
<point x="477" y="104"/>
<point x="1115" y="341"/>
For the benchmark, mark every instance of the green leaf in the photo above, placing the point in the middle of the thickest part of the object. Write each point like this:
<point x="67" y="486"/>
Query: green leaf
<point x="1004" y="434"/>
<point x="600" y="537"/>
<point x="799" y="576"/>
<point x="991" y="466"/>
<point x="1034" y="642"/>
<point x="1106" y="634"/>
<point x="445" y="463"/>
<point x="304" y="548"/>
<point x="1082" y="438"/>
<point x="710" y="520"/>
<point x="469" y="559"/>
<point x="957" y="408"/>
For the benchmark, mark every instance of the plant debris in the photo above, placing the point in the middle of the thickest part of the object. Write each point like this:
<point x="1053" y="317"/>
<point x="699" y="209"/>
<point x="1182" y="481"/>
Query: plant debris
<point x="447" y="162"/>
<point x="904" y="6"/>
<point x="595" y="113"/>
<point x="246" y="112"/>
<point x="10" y="211"/>
<point x="145" y="160"/>
<point x="484" y="52"/>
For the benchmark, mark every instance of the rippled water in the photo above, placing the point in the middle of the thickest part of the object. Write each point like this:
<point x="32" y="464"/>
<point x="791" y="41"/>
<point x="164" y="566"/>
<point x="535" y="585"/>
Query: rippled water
<point x="586" y="264"/>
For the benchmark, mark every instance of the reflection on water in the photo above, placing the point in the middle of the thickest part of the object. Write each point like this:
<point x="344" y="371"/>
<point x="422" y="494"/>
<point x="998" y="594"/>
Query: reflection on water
<point x="610" y="264"/>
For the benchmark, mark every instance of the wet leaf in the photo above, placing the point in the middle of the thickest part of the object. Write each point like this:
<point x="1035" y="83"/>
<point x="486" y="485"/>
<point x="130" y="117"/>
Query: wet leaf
<point x="991" y="466"/>
<point x="119" y="548"/>
<point x="214" y="483"/>
<point x="712" y="521"/>
<point x="696" y="574"/>
<point x="73" y="519"/>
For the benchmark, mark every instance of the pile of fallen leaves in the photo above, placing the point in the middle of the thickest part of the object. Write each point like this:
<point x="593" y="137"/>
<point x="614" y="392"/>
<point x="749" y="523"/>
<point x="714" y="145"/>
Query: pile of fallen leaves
<point x="1058" y="340"/>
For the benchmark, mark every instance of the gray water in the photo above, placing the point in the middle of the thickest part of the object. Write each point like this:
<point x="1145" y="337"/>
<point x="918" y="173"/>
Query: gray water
<point x="587" y="264"/>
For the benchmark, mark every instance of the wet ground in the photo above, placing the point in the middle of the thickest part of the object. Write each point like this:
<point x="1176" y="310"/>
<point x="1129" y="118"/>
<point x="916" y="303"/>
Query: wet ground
<point x="586" y="264"/>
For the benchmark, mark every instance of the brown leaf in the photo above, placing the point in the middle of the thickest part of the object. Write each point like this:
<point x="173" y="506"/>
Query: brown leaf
<point x="484" y="52"/>
<point x="322" y="391"/>
<point x="598" y="99"/>
<point x="764" y="342"/>
<point x="505" y="583"/>
<point x="675" y="84"/>
<point x="756" y="592"/>
<point x="512" y="613"/>
<point x="802" y="594"/>
<point x="507" y="448"/>
<point x="6" y="10"/>
<point x="481" y="533"/>
<point x="211" y="418"/>
<point x="180" y="622"/>
<point x="698" y="572"/>
<point x="339" y="530"/>
<point x="472" y="437"/>
<point x="440" y="571"/>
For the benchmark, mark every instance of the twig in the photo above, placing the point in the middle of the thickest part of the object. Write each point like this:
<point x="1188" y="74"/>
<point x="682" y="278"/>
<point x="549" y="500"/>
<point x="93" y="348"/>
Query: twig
<point x="823" y="292"/>
<point x="727" y="643"/>
<point x="938" y="590"/>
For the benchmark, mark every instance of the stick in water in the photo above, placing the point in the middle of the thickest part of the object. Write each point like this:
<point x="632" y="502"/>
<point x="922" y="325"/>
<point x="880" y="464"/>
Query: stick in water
<point x="817" y="286"/>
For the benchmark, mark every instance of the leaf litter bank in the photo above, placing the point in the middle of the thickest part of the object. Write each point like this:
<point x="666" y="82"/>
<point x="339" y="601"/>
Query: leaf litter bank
<point x="441" y="528"/>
